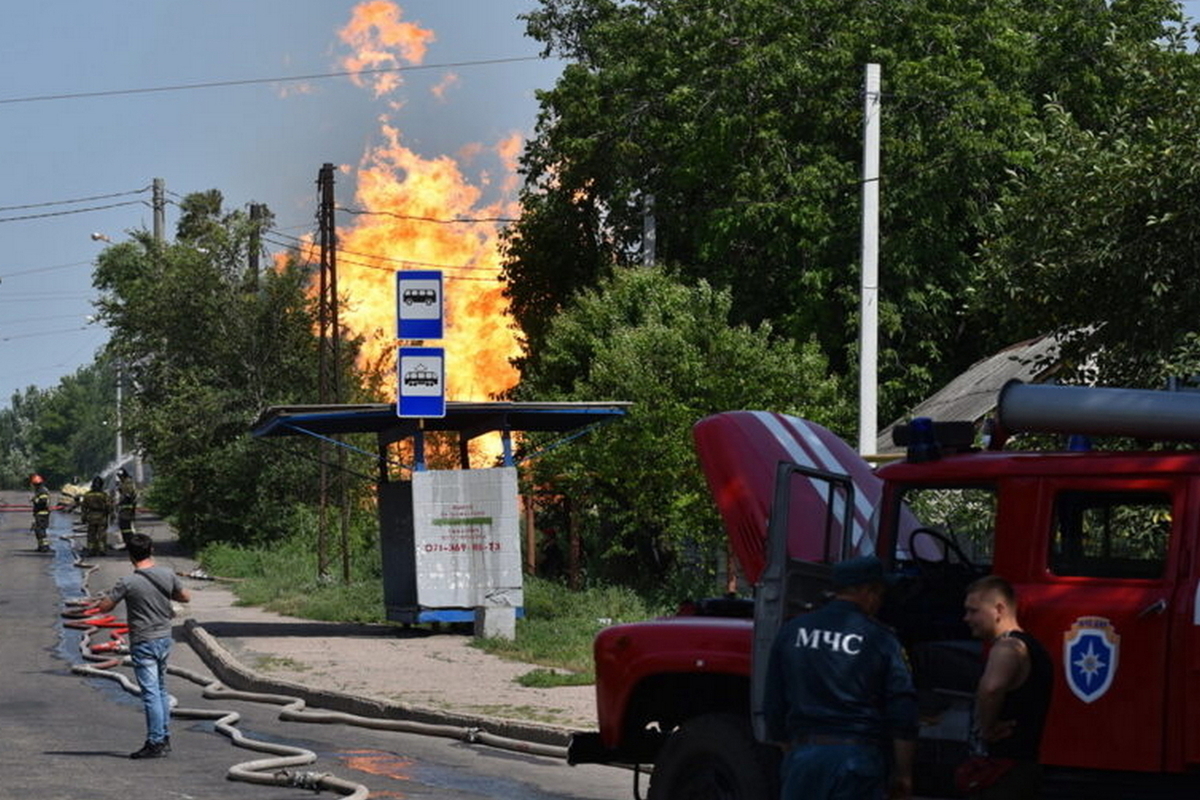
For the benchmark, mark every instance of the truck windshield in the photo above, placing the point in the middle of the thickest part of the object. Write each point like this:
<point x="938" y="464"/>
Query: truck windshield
<point x="947" y="524"/>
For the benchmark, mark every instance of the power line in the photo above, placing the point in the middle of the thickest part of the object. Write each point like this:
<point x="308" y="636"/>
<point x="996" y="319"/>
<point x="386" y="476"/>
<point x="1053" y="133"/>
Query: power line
<point x="43" y="333"/>
<point x="25" y="297"/>
<point x="73" y="211"/>
<point x="363" y="212"/>
<point x="179" y="87"/>
<point x="91" y="199"/>
<point x="33" y="270"/>
<point x="38" y="319"/>
<point x="384" y="268"/>
<point x="390" y="259"/>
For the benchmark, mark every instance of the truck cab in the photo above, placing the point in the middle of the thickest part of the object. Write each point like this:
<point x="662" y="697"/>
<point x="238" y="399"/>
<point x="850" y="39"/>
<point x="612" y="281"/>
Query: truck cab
<point x="1100" y="547"/>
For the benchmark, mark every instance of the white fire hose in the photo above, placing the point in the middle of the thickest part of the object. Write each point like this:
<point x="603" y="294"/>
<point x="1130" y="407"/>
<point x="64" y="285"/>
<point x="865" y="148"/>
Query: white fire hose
<point x="274" y="771"/>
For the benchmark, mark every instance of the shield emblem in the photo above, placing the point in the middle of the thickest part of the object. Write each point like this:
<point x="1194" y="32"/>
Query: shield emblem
<point x="1090" y="652"/>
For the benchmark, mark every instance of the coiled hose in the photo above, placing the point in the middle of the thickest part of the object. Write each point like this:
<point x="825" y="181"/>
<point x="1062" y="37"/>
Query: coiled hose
<point x="103" y="657"/>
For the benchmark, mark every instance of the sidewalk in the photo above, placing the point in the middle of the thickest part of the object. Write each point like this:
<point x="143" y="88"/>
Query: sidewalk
<point x="372" y="670"/>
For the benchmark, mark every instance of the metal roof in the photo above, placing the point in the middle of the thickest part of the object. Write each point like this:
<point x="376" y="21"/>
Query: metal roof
<point x="469" y="419"/>
<point x="972" y="395"/>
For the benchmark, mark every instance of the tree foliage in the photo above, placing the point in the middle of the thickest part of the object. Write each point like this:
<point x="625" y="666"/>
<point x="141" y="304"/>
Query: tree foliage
<point x="667" y="345"/>
<point x="65" y="433"/>
<point x="206" y="350"/>
<point x="1098" y="240"/>
<point x="738" y="124"/>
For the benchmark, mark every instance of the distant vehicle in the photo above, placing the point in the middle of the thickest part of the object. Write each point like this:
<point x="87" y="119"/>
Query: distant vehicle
<point x="425" y="297"/>
<point x="421" y="377"/>
<point x="72" y="494"/>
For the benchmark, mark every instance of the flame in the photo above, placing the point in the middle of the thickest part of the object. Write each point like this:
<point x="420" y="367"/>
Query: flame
<point x="448" y="81"/>
<point x="408" y="200"/>
<point x="374" y="31"/>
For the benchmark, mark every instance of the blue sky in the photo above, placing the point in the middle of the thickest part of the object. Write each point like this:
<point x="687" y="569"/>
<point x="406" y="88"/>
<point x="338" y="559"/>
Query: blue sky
<point x="256" y="143"/>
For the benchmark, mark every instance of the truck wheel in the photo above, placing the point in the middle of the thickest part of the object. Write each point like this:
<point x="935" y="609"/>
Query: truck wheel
<point x="714" y="757"/>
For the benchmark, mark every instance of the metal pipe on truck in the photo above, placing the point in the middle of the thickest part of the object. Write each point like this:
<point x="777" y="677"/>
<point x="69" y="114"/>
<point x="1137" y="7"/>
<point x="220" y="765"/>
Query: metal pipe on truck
<point x="1137" y="413"/>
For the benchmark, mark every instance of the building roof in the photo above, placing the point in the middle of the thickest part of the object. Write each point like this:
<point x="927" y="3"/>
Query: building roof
<point x="972" y="395"/>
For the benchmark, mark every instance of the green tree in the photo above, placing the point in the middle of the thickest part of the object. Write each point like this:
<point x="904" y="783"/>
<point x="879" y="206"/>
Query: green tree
<point x="739" y="125"/>
<point x="646" y="336"/>
<point x="1097" y="239"/>
<point x="63" y="433"/>
<point x="205" y="352"/>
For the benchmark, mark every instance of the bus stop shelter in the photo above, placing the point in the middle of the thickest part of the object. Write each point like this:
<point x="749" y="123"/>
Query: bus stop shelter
<point x="398" y="519"/>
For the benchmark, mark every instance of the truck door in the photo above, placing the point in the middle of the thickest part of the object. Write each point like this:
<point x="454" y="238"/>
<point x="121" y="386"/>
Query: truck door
<point x="803" y="539"/>
<point x="1103" y="614"/>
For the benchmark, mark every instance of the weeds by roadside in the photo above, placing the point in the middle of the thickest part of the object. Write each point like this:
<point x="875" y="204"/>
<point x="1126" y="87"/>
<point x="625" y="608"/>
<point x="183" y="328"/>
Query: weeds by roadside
<point x="556" y="632"/>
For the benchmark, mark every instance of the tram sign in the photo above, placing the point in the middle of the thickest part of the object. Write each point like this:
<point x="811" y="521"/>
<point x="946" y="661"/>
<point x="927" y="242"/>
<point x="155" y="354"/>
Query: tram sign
<point x="421" y="376"/>
<point x="419" y="304"/>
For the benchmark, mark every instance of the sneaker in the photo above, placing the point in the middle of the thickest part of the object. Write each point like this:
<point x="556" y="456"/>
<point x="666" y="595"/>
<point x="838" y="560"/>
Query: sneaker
<point x="151" y="750"/>
<point x="166" y="744"/>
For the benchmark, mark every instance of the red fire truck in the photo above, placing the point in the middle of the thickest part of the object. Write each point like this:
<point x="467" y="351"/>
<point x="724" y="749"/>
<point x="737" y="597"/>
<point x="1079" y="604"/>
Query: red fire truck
<point x="1101" y="546"/>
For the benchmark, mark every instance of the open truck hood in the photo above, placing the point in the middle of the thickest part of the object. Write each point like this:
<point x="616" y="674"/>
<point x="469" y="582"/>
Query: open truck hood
<point x="739" y="452"/>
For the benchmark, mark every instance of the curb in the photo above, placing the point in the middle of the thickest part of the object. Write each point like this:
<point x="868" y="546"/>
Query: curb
<point x="235" y="675"/>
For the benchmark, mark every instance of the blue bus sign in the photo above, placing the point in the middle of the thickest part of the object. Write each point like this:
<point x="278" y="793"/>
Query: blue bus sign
<point x="419" y="304"/>
<point x="421" y="377"/>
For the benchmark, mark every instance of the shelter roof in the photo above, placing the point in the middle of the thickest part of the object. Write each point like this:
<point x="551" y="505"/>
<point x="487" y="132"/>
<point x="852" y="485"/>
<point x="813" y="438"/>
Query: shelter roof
<point x="468" y="419"/>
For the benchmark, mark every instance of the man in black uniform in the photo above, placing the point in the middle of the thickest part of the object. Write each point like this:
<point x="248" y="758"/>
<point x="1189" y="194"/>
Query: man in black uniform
<point x="126" y="503"/>
<point x="839" y="691"/>
<point x="1013" y="694"/>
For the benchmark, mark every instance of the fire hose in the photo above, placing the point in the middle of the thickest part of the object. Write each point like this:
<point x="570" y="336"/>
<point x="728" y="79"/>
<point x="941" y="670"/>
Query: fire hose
<point x="104" y="657"/>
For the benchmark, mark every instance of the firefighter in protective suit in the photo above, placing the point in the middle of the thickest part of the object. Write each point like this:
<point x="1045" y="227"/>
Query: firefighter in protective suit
<point x="41" y="512"/>
<point x="126" y="504"/>
<point x="97" y="510"/>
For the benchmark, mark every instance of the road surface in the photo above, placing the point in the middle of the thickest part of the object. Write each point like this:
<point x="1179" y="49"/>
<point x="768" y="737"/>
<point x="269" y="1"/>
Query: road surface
<point x="68" y="736"/>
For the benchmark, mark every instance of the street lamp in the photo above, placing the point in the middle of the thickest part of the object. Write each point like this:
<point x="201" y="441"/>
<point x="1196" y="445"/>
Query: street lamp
<point x="100" y="237"/>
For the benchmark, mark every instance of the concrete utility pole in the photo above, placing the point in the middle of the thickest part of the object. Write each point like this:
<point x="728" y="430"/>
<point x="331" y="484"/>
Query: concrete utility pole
<point x="256" y="215"/>
<point x="649" y="231"/>
<point x="868" y="393"/>
<point x="160" y="207"/>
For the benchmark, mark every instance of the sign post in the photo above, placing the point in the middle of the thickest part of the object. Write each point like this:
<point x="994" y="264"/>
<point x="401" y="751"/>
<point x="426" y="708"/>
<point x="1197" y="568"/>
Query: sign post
<point x="419" y="304"/>
<point x="421" y="373"/>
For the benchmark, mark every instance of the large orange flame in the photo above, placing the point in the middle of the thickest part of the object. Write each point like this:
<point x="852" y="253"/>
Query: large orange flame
<point x="412" y="205"/>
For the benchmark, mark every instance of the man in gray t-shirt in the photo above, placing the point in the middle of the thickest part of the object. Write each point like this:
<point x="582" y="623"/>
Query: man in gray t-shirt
<point x="148" y="593"/>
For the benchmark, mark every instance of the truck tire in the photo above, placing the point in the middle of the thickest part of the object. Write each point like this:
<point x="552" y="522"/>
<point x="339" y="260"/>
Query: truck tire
<point x="715" y="757"/>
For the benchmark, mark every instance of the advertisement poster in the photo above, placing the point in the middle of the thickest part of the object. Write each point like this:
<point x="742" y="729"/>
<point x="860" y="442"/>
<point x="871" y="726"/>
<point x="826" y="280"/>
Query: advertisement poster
<point x="467" y="538"/>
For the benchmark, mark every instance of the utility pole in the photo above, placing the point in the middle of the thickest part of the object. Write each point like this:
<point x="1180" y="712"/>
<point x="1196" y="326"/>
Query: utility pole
<point x="649" y="231"/>
<point x="329" y="373"/>
<point x="868" y="394"/>
<point x="256" y="216"/>
<point x="160" y="205"/>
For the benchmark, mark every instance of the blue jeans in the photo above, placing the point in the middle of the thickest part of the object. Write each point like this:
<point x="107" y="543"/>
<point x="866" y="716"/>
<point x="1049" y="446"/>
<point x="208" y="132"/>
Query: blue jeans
<point x="834" y="772"/>
<point x="150" y="669"/>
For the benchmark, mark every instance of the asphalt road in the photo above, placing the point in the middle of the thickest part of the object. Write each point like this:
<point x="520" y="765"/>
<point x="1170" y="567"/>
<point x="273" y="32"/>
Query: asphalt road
<point x="68" y="736"/>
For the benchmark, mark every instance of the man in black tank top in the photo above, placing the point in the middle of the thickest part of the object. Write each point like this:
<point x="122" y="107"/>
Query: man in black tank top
<point x="1014" y="692"/>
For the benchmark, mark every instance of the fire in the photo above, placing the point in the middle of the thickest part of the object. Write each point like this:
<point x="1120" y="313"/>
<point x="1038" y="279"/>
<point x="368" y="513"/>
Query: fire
<point x="412" y="204"/>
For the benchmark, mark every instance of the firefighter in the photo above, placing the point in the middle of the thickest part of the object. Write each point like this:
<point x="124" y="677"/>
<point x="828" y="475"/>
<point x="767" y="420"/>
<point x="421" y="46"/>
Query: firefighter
<point x="126" y="504"/>
<point x="97" y="510"/>
<point x="41" y="512"/>
<point x="839" y="691"/>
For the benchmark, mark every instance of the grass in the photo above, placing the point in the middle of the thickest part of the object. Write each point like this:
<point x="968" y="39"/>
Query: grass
<point x="556" y="633"/>
<point x="559" y="626"/>
<point x="284" y="579"/>
<point x="272" y="663"/>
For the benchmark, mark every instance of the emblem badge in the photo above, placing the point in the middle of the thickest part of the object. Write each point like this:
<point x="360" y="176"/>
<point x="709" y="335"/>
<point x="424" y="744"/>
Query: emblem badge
<point x="1090" y="653"/>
